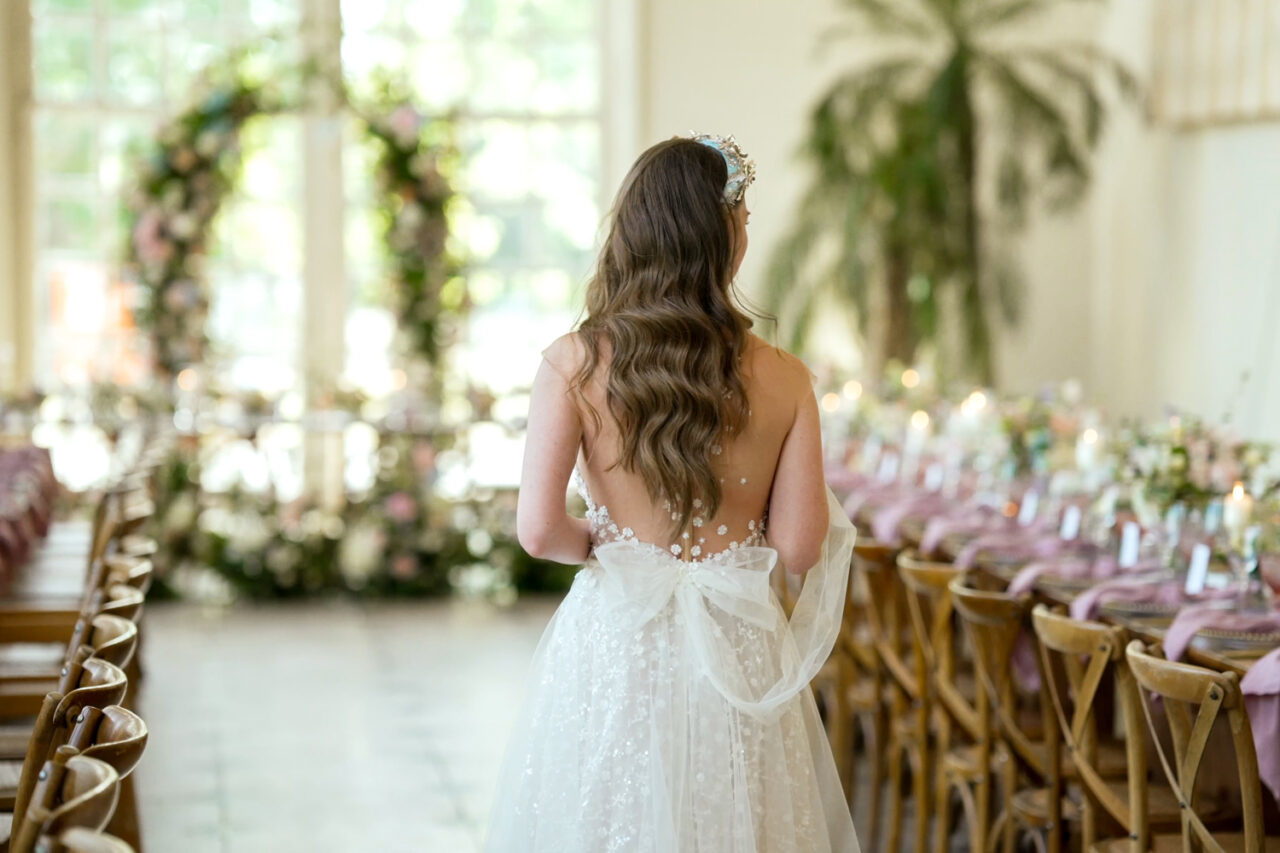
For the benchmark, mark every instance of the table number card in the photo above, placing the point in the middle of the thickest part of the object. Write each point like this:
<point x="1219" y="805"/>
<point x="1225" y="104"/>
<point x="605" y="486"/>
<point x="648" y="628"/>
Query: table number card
<point x="1071" y="518"/>
<point x="1030" y="506"/>
<point x="1198" y="570"/>
<point x="1130" y="540"/>
<point x="888" y="468"/>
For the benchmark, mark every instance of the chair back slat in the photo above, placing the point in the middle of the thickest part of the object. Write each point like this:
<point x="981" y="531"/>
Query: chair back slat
<point x="72" y="791"/>
<point x="887" y="613"/>
<point x="994" y="621"/>
<point x="1194" y="698"/>
<point x="1086" y="652"/>
<point x="112" y="734"/>
<point x="113" y="639"/>
<point x="935" y="624"/>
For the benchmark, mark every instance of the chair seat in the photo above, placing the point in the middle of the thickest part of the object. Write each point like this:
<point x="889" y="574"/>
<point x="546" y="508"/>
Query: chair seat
<point x="1031" y="805"/>
<point x="10" y="773"/>
<point x="1112" y="763"/>
<point x="1232" y="842"/>
<point x="14" y="740"/>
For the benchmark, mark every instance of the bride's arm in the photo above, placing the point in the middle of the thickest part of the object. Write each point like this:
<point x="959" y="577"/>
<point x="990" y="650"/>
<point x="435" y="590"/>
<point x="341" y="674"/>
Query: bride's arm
<point x="798" y="503"/>
<point x="545" y="529"/>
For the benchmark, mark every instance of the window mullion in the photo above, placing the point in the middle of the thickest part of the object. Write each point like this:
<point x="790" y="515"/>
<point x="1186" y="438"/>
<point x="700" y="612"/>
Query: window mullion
<point x="324" y="258"/>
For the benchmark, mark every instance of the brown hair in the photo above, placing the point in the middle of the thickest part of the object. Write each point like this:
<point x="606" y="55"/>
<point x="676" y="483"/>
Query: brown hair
<point x="661" y="298"/>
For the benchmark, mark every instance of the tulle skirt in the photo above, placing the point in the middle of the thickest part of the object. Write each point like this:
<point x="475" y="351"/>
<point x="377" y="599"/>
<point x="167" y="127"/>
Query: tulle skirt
<point x="662" y="721"/>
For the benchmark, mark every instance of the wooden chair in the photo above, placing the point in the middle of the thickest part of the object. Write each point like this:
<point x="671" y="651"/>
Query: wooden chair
<point x="111" y="638"/>
<point x="73" y="791"/>
<point x="1194" y="699"/>
<point x="851" y="691"/>
<point x="117" y="736"/>
<point x="907" y="693"/>
<point x="994" y="622"/>
<point x="952" y="691"/>
<point x="88" y="683"/>
<point x="1077" y="657"/>
<point x="78" y="840"/>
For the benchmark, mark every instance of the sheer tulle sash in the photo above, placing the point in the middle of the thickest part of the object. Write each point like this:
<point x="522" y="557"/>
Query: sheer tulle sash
<point x="639" y="580"/>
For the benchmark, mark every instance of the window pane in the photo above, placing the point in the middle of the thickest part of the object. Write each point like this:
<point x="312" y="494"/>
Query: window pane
<point x="69" y="223"/>
<point x="63" y="59"/>
<point x="64" y="144"/>
<point x="495" y="159"/>
<point x="134" y="60"/>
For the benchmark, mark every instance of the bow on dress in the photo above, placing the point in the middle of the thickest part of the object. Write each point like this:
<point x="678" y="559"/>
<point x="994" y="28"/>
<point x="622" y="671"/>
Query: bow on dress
<point x="639" y="580"/>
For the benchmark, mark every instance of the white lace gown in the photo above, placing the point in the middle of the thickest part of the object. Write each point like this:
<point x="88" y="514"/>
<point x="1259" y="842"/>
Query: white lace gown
<point x="668" y="708"/>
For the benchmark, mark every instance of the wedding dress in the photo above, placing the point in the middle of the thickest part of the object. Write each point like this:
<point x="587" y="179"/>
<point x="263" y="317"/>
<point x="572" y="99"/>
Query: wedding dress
<point x="668" y="707"/>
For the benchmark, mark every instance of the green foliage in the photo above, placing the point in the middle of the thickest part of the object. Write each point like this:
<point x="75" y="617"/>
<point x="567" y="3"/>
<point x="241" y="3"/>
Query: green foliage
<point x="899" y="149"/>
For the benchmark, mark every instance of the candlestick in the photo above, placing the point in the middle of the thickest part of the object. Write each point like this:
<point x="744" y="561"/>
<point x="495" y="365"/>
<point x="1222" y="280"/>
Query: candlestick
<point x="1237" y="511"/>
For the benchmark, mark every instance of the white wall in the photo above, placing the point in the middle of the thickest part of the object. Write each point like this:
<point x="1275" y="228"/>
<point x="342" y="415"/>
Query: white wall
<point x="8" y="290"/>
<point x="744" y="67"/>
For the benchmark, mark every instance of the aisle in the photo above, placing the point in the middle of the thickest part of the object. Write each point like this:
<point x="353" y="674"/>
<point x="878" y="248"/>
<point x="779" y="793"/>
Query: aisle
<point x="328" y="727"/>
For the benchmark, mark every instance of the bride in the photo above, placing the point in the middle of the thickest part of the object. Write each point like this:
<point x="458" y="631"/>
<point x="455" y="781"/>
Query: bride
<point x="668" y="705"/>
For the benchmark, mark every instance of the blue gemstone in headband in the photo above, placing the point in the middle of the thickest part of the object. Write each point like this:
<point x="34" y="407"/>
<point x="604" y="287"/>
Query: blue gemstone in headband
<point x="742" y="169"/>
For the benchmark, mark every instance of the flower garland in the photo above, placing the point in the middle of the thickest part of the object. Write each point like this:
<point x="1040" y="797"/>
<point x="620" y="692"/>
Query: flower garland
<point x="196" y="163"/>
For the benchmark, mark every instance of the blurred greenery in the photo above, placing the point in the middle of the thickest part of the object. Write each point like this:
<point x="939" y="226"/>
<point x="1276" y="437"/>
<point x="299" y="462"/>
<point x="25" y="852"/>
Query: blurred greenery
<point x="894" y="226"/>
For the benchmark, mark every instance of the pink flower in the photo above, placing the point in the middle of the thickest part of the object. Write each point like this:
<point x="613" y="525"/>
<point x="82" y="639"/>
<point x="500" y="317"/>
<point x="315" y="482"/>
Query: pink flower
<point x="401" y="507"/>
<point x="404" y="567"/>
<point x="424" y="457"/>
<point x="405" y="124"/>
<point x="149" y="238"/>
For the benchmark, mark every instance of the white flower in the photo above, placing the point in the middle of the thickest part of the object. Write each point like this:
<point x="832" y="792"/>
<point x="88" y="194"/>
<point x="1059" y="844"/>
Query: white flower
<point x="183" y="226"/>
<point x="360" y="552"/>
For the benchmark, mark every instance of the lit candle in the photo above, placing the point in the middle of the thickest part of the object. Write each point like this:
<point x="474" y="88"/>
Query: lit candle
<point x="1237" y="510"/>
<point x="1087" y="451"/>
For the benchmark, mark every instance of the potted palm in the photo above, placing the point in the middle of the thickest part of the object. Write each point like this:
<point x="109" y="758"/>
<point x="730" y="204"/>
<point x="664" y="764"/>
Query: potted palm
<point x="926" y="160"/>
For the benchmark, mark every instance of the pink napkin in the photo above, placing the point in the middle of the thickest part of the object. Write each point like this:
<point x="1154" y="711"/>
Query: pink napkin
<point x="1190" y="620"/>
<point x="1086" y="603"/>
<point x="1027" y="542"/>
<point x="885" y="524"/>
<point x="1260" y="685"/>
<point x="968" y="520"/>
<point x="1074" y="566"/>
<point x="1261" y="688"/>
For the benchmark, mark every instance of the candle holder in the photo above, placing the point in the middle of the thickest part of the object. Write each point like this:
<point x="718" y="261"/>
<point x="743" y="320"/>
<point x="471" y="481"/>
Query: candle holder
<point x="1252" y="595"/>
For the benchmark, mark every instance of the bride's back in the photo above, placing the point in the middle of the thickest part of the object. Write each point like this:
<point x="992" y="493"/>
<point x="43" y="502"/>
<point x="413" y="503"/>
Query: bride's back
<point x="775" y="382"/>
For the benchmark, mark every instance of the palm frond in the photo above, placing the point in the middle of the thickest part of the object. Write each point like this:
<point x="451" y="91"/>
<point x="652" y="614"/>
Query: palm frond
<point x="998" y="14"/>
<point x="1073" y="78"/>
<point x="1065" y="165"/>
<point x="889" y="17"/>
<point x="1091" y="56"/>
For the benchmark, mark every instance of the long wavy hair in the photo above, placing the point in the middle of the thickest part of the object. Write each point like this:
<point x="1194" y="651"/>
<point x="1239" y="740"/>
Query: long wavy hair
<point x="660" y="299"/>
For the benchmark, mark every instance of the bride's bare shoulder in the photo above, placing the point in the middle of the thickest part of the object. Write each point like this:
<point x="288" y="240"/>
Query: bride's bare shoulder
<point x="775" y="364"/>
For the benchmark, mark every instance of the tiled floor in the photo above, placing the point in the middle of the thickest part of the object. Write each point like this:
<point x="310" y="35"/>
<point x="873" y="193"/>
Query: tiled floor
<point x="328" y="727"/>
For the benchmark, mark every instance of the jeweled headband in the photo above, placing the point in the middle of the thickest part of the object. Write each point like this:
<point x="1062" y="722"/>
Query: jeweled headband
<point x="742" y="169"/>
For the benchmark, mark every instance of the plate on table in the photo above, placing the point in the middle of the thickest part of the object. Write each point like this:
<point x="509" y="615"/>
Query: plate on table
<point x="1075" y="584"/>
<point x="1222" y="640"/>
<point x="1144" y="610"/>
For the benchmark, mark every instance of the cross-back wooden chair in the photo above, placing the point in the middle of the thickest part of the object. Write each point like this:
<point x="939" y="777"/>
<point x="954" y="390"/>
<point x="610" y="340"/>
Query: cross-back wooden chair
<point x="1194" y="699"/>
<point x="72" y="791"/>
<point x="1078" y="658"/>
<point x="117" y="736"/>
<point x="995" y="621"/>
<point x="79" y="840"/>
<point x="956" y="726"/>
<point x="851" y="691"/>
<point x="889" y="623"/>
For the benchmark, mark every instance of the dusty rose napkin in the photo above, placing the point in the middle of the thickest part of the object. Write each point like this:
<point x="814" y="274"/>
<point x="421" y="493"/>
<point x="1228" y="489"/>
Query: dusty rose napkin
<point x="1261" y="688"/>
<point x="975" y="520"/>
<point x="1030" y="542"/>
<point x="1260" y="685"/>
<point x="1084" y="605"/>
<point x="1075" y="566"/>
<point x="888" y="519"/>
